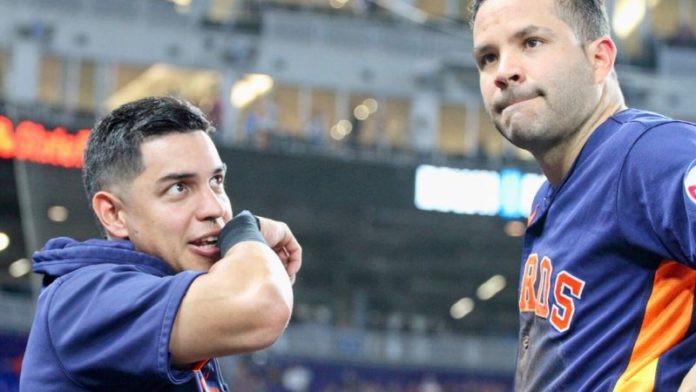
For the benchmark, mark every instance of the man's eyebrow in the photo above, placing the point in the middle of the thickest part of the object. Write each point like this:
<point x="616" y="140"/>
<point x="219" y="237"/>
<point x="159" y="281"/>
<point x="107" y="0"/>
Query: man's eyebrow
<point x="176" y="177"/>
<point x="180" y="176"/>
<point x="529" y="30"/>
<point x="532" y="29"/>
<point x="482" y="49"/>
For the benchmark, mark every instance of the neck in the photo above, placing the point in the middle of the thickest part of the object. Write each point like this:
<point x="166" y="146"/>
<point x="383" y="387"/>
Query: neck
<point x="556" y="161"/>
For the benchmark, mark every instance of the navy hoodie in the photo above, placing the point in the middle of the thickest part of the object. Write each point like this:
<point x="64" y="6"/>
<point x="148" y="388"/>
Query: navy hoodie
<point x="103" y="321"/>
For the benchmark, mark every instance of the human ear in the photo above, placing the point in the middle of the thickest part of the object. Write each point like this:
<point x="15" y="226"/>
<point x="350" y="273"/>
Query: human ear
<point x="109" y="210"/>
<point x="602" y="56"/>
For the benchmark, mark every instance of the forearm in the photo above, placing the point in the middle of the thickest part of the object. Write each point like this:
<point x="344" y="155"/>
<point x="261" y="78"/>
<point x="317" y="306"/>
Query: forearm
<point x="243" y="304"/>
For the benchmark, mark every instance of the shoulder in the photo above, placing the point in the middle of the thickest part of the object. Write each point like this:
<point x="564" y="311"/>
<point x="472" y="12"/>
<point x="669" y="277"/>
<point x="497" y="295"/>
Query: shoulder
<point x="670" y="144"/>
<point x="89" y="291"/>
<point x="105" y="282"/>
<point x="658" y="162"/>
<point x="93" y="312"/>
<point x="638" y="116"/>
<point x="103" y="293"/>
<point x="655" y="140"/>
<point x="651" y="199"/>
<point x="660" y="152"/>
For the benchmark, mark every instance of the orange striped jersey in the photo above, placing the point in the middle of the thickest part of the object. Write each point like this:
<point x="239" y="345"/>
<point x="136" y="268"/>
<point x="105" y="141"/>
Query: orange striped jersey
<point x="606" y="295"/>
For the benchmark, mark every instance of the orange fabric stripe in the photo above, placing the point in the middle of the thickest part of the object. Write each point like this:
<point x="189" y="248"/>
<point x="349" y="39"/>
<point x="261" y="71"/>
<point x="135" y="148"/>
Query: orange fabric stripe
<point x="667" y="318"/>
<point x="199" y="365"/>
<point x="533" y="215"/>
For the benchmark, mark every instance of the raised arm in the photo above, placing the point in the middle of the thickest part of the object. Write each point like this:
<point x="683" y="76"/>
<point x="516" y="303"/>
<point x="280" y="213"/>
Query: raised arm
<point x="245" y="301"/>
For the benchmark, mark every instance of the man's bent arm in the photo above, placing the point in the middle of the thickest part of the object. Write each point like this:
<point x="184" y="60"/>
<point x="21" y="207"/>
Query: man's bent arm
<point x="243" y="304"/>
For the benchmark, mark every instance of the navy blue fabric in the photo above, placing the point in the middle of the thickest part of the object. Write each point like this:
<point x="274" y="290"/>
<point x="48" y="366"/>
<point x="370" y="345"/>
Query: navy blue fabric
<point x="620" y="213"/>
<point x="104" y="319"/>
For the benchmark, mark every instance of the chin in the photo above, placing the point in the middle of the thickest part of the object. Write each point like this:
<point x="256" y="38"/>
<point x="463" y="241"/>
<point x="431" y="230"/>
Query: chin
<point x="511" y="134"/>
<point x="205" y="265"/>
<point x="198" y="263"/>
<point x="524" y="136"/>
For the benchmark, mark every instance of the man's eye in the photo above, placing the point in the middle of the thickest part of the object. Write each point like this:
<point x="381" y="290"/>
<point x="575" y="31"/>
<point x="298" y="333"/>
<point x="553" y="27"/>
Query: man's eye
<point x="176" y="188"/>
<point x="532" y="42"/>
<point x="217" y="180"/>
<point x="487" y="59"/>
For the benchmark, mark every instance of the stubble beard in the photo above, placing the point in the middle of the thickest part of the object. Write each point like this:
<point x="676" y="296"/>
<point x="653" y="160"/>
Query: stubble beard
<point x="535" y="134"/>
<point x="557" y="121"/>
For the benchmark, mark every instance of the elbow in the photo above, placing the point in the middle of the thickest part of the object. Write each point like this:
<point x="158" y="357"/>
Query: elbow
<point x="273" y="330"/>
<point x="274" y="312"/>
<point x="258" y="293"/>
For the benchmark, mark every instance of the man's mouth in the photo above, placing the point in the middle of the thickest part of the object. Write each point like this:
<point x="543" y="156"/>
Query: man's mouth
<point x="206" y="242"/>
<point x="206" y="247"/>
<point x="515" y="98"/>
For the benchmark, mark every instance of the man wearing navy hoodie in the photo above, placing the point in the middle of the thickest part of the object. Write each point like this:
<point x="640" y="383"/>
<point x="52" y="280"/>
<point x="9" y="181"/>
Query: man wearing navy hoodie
<point x="176" y="283"/>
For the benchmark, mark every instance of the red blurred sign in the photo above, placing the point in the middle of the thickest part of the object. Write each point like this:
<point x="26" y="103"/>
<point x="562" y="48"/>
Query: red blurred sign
<point x="32" y="142"/>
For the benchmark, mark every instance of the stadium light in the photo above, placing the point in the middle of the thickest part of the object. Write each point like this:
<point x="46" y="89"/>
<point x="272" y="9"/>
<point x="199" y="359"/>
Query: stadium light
<point x="515" y="228"/>
<point x="491" y="287"/>
<point x="361" y="112"/>
<point x="628" y="15"/>
<point x="58" y="214"/>
<point x="249" y="88"/>
<point x="19" y="268"/>
<point x="4" y="241"/>
<point x="338" y="3"/>
<point x="461" y="308"/>
<point x="371" y="104"/>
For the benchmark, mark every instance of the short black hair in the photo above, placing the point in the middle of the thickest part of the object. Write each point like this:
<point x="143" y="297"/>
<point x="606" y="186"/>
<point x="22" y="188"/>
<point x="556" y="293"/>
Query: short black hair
<point x="112" y="156"/>
<point x="587" y="18"/>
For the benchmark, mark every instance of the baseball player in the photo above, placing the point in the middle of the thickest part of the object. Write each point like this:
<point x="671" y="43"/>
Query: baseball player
<point x="606" y="294"/>
<point x="177" y="282"/>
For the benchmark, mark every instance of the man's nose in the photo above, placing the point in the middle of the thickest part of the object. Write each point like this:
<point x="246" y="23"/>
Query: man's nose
<point x="212" y="205"/>
<point x="509" y="71"/>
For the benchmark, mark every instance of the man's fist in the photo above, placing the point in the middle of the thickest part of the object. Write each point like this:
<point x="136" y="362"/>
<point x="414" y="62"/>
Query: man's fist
<point x="282" y="241"/>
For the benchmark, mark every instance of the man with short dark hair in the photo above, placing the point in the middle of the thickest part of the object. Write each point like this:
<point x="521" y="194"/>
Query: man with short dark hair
<point x="176" y="283"/>
<point x="606" y="295"/>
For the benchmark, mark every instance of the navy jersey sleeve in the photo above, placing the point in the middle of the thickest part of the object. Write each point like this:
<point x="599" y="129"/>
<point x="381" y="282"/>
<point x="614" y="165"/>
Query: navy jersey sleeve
<point x="118" y="331"/>
<point x="656" y="200"/>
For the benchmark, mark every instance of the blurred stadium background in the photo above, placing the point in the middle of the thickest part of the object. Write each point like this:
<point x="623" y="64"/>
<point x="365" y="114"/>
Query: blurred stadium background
<point x="358" y="122"/>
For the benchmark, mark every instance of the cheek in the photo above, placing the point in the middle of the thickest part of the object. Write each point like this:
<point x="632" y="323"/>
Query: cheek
<point x="483" y="85"/>
<point x="488" y="88"/>
<point x="227" y="215"/>
<point x="169" y="218"/>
